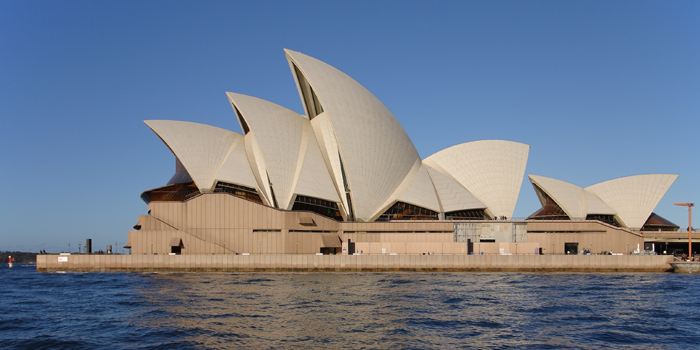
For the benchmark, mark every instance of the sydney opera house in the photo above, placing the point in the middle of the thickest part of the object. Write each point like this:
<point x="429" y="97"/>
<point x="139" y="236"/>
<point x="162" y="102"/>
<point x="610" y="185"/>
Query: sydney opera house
<point x="345" y="178"/>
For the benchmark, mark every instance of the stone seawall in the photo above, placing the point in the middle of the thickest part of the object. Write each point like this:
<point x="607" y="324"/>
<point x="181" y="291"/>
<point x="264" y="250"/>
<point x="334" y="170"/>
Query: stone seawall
<point x="281" y="262"/>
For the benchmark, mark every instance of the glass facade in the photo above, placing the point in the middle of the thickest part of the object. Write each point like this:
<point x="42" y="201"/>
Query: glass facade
<point x="405" y="211"/>
<point x="319" y="206"/>
<point x="470" y="214"/>
<point x="238" y="191"/>
<point x="608" y="219"/>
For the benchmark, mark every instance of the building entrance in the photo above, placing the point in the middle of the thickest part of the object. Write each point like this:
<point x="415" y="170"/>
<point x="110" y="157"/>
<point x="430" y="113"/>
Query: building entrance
<point x="571" y="248"/>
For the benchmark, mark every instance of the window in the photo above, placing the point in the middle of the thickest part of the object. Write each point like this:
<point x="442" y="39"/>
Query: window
<point x="238" y="191"/>
<point x="319" y="206"/>
<point x="470" y="214"/>
<point x="405" y="211"/>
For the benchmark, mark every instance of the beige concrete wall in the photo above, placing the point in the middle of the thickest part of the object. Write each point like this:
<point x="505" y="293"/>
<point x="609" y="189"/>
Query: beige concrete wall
<point x="592" y="235"/>
<point x="219" y="223"/>
<point x="299" y="262"/>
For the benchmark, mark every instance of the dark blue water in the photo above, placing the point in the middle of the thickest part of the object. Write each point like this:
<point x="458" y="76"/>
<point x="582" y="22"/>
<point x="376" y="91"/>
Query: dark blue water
<point x="347" y="310"/>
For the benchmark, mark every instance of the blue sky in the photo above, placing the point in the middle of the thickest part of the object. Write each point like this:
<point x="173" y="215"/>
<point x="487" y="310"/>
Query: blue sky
<point x="599" y="89"/>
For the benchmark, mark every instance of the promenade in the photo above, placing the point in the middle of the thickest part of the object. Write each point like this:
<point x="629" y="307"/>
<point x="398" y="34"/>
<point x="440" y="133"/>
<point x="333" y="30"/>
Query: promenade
<point x="288" y="262"/>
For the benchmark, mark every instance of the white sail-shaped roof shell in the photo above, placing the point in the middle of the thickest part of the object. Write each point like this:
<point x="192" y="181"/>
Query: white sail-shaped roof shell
<point x="202" y="149"/>
<point x="376" y="152"/>
<point x="314" y="180"/>
<point x="634" y="197"/>
<point x="278" y="132"/>
<point x="595" y="205"/>
<point x="569" y="197"/>
<point x="236" y="168"/>
<point x="492" y="170"/>
<point x="421" y="191"/>
<point x="452" y="195"/>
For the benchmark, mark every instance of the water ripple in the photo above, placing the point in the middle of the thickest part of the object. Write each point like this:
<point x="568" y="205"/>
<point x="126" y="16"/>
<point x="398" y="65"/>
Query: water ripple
<point x="347" y="310"/>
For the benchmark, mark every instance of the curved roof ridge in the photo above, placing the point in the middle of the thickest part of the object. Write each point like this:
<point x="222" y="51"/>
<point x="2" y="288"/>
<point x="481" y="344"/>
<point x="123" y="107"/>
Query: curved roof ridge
<point x="569" y="197"/>
<point x="634" y="197"/>
<point x="452" y="195"/>
<point x="492" y="170"/>
<point x="202" y="149"/>
<point x="376" y="151"/>
<point x="278" y="131"/>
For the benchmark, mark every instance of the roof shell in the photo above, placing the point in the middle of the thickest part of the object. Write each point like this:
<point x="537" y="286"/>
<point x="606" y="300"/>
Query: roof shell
<point x="236" y="168"/>
<point x="492" y="170"/>
<point x="421" y="191"/>
<point x="569" y="197"/>
<point x="314" y="180"/>
<point x="634" y="197"/>
<point x="452" y="195"/>
<point x="279" y="133"/>
<point x="201" y="148"/>
<point x="376" y="152"/>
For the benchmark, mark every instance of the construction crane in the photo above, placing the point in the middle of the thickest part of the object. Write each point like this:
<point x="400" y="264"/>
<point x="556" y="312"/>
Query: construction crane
<point x="690" y="226"/>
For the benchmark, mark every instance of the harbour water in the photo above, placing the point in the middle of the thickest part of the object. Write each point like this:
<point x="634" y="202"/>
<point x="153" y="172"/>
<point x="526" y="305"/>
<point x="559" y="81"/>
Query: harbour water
<point x="347" y="310"/>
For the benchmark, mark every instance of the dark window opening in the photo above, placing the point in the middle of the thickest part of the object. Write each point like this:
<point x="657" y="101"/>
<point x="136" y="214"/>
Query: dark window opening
<point x="342" y="171"/>
<point x="244" y="125"/>
<point x="608" y="219"/>
<point x="238" y="191"/>
<point x="319" y="206"/>
<point x="176" y="250"/>
<point x="405" y="211"/>
<point x="571" y="248"/>
<point x="311" y="101"/>
<point x="351" y="214"/>
<point x="317" y="103"/>
<point x="272" y="191"/>
<point x="470" y="214"/>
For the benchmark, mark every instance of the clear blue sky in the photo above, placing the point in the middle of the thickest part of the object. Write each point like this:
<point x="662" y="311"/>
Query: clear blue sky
<point x="599" y="90"/>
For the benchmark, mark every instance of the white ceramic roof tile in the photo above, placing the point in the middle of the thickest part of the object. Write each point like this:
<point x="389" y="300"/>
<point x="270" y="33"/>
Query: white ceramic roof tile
<point x="595" y="205"/>
<point x="258" y="166"/>
<point x="634" y="197"/>
<point x="492" y="170"/>
<point x="236" y="168"/>
<point x="314" y="179"/>
<point x="453" y="196"/>
<point x="568" y="196"/>
<point x="421" y="192"/>
<point x="377" y="153"/>
<point x="325" y="136"/>
<point x="201" y="148"/>
<point x="278" y="131"/>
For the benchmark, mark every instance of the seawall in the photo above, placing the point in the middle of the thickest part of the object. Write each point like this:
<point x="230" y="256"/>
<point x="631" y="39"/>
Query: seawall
<point x="288" y="262"/>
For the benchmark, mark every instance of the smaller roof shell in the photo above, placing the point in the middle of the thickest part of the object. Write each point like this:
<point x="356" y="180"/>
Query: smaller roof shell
<point x="492" y="170"/>
<point x="569" y="197"/>
<point x="634" y="197"/>
<point x="201" y="148"/>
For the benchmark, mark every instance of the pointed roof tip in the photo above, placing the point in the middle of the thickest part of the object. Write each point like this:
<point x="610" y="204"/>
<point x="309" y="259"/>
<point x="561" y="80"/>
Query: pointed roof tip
<point x="674" y="176"/>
